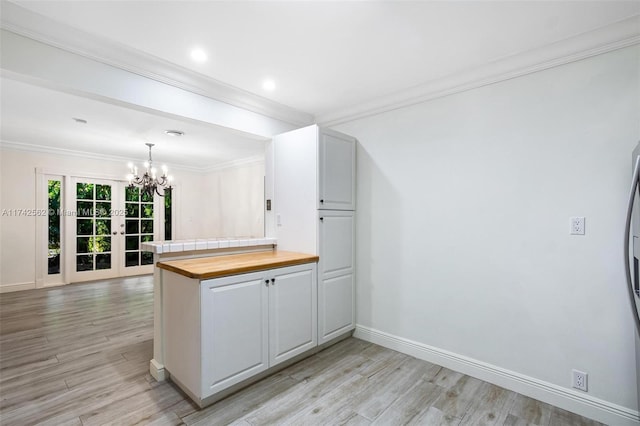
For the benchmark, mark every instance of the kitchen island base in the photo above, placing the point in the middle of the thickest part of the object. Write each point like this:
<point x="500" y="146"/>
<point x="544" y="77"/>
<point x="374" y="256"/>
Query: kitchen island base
<point x="232" y="320"/>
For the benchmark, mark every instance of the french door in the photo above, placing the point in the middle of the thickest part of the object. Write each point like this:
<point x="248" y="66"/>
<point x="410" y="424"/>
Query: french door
<point x="109" y="225"/>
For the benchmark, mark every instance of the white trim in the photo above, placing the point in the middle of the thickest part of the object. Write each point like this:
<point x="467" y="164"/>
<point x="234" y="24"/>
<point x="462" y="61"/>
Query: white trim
<point x="43" y="279"/>
<point x="568" y="399"/>
<point x="237" y="163"/>
<point x="602" y="40"/>
<point x="45" y="30"/>
<point x="41" y="228"/>
<point x="157" y="371"/>
<point x="7" y="288"/>
<point x="26" y="147"/>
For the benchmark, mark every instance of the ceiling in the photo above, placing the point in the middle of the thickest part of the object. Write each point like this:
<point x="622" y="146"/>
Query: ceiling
<point x="39" y="116"/>
<point x="323" y="56"/>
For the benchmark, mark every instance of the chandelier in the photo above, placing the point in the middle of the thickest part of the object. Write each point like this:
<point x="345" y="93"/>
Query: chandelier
<point x="149" y="182"/>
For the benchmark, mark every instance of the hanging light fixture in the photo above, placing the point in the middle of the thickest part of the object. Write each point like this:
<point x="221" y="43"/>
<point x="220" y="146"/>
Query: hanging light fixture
<point x="149" y="182"/>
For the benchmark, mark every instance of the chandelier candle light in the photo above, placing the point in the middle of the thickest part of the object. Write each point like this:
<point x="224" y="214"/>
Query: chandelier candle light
<point x="148" y="182"/>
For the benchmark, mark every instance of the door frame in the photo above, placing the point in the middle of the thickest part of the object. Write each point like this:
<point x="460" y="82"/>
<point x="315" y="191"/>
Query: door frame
<point x="71" y="233"/>
<point x="67" y="235"/>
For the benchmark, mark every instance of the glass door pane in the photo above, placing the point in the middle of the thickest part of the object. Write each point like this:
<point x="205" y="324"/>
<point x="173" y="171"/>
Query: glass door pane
<point x="139" y="228"/>
<point x="93" y="227"/>
<point x="95" y="240"/>
<point x="54" y="225"/>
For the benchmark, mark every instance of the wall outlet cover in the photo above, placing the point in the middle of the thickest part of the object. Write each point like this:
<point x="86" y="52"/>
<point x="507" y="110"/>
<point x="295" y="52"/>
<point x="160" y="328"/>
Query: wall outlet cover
<point x="576" y="225"/>
<point x="579" y="380"/>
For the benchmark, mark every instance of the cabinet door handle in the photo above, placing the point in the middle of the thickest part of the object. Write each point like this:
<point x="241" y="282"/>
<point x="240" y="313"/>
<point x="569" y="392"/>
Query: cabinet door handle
<point x="266" y="283"/>
<point x="321" y="201"/>
<point x="321" y="219"/>
<point x="273" y="281"/>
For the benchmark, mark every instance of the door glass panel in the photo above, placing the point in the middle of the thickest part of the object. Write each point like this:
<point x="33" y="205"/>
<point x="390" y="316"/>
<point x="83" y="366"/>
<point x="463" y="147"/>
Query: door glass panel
<point x="147" y="198"/>
<point x="133" y="210"/>
<point x="138" y="227"/>
<point x="84" y="227"/>
<point x="82" y="245"/>
<point x="84" y="191"/>
<point x="53" y="248"/>
<point x="84" y="208"/>
<point x="147" y="227"/>
<point x="132" y="194"/>
<point x="132" y="243"/>
<point x="84" y="262"/>
<point x="103" y="261"/>
<point x="168" y="195"/>
<point x="132" y="226"/>
<point x="147" y="258"/>
<point x="103" y="226"/>
<point x="103" y="209"/>
<point x="101" y="244"/>
<point x="131" y="259"/>
<point x="103" y="192"/>
<point x="147" y="211"/>
<point x="93" y="227"/>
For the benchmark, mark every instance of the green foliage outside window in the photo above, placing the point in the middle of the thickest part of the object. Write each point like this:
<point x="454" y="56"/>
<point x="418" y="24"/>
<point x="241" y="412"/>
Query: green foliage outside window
<point x="53" y="254"/>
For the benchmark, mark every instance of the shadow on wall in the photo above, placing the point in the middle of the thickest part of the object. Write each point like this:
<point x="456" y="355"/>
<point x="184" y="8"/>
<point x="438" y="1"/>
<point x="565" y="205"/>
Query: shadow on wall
<point x="378" y="222"/>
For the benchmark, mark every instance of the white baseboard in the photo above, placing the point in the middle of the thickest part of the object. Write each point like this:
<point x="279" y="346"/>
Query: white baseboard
<point x="157" y="371"/>
<point x="565" y="398"/>
<point x="6" y="288"/>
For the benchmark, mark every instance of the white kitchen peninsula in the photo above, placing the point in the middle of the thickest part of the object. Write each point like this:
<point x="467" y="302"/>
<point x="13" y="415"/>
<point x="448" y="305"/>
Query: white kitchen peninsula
<point x="189" y="249"/>
<point x="229" y="320"/>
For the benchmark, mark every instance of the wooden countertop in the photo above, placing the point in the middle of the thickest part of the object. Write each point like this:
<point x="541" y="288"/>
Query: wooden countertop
<point x="204" y="268"/>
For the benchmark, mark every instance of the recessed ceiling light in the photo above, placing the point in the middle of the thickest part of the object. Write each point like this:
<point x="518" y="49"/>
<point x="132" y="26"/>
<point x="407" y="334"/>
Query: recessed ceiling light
<point x="79" y="120"/>
<point x="174" y="132"/>
<point x="198" y="55"/>
<point x="269" y="85"/>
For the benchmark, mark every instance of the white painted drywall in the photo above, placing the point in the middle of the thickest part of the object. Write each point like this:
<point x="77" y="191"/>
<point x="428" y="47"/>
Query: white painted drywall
<point x="233" y="207"/>
<point x="463" y="222"/>
<point x="235" y="200"/>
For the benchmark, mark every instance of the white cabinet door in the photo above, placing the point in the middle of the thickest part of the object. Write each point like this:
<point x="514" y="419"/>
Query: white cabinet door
<point x="336" y="307"/>
<point x="336" y="289"/>
<point x="292" y="312"/>
<point x="234" y="330"/>
<point x="337" y="171"/>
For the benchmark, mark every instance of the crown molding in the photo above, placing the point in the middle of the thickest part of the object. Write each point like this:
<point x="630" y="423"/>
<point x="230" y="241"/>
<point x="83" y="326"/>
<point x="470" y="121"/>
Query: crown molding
<point x="40" y="28"/>
<point x="249" y="161"/>
<point x="619" y="35"/>
<point x="26" y="147"/>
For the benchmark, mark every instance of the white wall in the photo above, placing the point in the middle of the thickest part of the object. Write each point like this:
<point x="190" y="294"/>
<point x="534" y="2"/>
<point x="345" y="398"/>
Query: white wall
<point x="235" y="198"/>
<point x="232" y="207"/>
<point x="463" y="223"/>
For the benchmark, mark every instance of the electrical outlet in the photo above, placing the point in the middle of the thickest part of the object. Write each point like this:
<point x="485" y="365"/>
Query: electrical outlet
<point x="577" y="226"/>
<point x="580" y="380"/>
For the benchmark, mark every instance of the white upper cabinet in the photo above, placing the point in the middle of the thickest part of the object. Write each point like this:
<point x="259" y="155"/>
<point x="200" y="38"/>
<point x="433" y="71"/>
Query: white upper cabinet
<point x="337" y="171"/>
<point x="310" y="169"/>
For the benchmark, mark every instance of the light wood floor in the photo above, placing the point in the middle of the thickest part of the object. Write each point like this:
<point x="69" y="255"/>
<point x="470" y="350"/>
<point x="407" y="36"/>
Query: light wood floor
<point x="80" y="354"/>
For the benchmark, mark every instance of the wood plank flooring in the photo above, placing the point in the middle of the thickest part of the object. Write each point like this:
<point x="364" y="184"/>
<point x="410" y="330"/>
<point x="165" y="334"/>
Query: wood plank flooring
<point x="79" y="355"/>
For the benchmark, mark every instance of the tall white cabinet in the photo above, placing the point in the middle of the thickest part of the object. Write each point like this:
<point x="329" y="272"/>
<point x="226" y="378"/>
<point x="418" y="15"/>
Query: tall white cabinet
<point x="313" y="193"/>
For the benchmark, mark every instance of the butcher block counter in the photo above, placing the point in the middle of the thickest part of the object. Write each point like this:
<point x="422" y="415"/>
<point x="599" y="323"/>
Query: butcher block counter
<point x="221" y="266"/>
